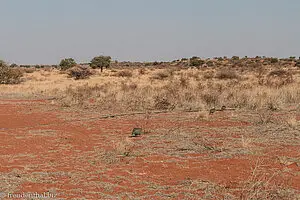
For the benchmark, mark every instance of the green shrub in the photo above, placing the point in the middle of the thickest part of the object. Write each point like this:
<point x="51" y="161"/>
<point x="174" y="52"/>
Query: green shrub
<point x="67" y="63"/>
<point x="274" y="60"/>
<point x="147" y="64"/>
<point x="14" y="65"/>
<point x="156" y="63"/>
<point x="100" y="62"/>
<point x="235" y="58"/>
<point x="196" y="62"/>
<point x="298" y="63"/>
<point x="9" y="75"/>
<point x="292" y="58"/>
<point x="210" y="63"/>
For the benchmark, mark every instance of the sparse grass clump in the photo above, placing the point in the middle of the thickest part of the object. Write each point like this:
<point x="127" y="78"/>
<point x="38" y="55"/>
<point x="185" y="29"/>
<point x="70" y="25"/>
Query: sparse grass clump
<point x="29" y="70"/>
<point x="161" y="75"/>
<point x="210" y="98"/>
<point x="208" y="75"/>
<point x="124" y="73"/>
<point x="227" y="74"/>
<point x="161" y="103"/>
<point x="128" y="87"/>
<point x="142" y="71"/>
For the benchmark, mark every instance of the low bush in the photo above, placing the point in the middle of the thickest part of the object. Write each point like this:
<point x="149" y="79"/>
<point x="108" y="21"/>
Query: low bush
<point x="9" y="75"/>
<point x="29" y="70"/>
<point x="278" y="78"/>
<point x="274" y="60"/>
<point x="298" y="63"/>
<point x="196" y="62"/>
<point x="210" y="63"/>
<point x="235" y="58"/>
<point x="227" y="74"/>
<point x="80" y="72"/>
<point x="67" y="63"/>
<point x="14" y="65"/>
<point x="124" y="73"/>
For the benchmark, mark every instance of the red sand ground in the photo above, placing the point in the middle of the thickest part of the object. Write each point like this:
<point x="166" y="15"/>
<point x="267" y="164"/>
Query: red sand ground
<point x="46" y="149"/>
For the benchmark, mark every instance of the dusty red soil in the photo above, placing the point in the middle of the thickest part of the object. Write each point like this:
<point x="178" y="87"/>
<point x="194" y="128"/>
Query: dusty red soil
<point x="46" y="149"/>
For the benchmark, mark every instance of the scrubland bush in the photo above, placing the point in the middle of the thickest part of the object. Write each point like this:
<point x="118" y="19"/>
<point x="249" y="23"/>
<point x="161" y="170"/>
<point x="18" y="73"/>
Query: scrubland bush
<point x="210" y="63"/>
<point x="9" y="75"/>
<point x="156" y="63"/>
<point x="298" y="63"/>
<point x="260" y="86"/>
<point x="80" y="72"/>
<point x="274" y="60"/>
<point x="278" y="78"/>
<point x="180" y="92"/>
<point x="14" y="65"/>
<point x="235" y="58"/>
<point x="196" y="62"/>
<point x="66" y="63"/>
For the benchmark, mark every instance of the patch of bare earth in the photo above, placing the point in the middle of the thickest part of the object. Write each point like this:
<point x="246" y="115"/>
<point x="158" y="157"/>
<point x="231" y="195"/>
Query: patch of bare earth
<point x="226" y="155"/>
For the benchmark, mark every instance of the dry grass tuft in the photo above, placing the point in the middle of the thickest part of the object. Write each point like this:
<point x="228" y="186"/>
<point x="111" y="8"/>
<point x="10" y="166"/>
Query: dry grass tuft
<point x="227" y="74"/>
<point x="161" y="75"/>
<point x="124" y="73"/>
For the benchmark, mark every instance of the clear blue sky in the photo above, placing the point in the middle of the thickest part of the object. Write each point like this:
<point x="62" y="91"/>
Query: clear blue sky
<point x="45" y="31"/>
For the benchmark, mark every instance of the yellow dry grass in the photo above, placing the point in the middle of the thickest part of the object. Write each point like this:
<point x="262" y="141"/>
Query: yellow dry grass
<point x="153" y="88"/>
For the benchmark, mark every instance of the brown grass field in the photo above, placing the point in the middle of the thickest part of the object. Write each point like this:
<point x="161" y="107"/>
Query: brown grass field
<point x="72" y="138"/>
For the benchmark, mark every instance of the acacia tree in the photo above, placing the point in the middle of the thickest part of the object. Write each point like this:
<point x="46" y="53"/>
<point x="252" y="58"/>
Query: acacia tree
<point x="67" y="63"/>
<point x="100" y="62"/>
